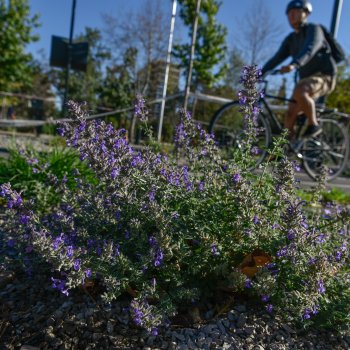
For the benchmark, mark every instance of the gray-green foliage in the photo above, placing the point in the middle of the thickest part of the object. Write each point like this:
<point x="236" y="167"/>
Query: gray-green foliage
<point x="210" y="48"/>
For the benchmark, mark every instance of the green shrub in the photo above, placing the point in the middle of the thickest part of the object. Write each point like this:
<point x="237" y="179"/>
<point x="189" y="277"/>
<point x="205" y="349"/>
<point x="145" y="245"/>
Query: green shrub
<point x="29" y="172"/>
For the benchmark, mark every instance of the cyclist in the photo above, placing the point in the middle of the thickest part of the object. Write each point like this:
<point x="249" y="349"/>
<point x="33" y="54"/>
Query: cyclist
<point x="311" y="56"/>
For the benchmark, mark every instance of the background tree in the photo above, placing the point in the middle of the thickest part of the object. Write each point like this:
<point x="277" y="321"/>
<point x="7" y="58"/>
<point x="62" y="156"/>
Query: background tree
<point x="210" y="48"/>
<point x="118" y="89"/>
<point x="259" y="33"/>
<point x="144" y="31"/>
<point x="235" y="63"/>
<point x="41" y="104"/>
<point x="16" y="26"/>
<point x="340" y="97"/>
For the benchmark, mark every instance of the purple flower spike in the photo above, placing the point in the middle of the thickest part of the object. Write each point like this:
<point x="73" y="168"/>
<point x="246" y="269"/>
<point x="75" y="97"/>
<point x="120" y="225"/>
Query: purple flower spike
<point x="248" y="283"/>
<point x="256" y="220"/>
<point x="214" y="249"/>
<point x="140" y="110"/>
<point x="291" y="235"/>
<point x="152" y="241"/>
<point x="269" y="308"/>
<point x="307" y="314"/>
<point x="158" y="258"/>
<point x="114" y="173"/>
<point x="151" y="196"/>
<point x="76" y="264"/>
<point x="265" y="298"/>
<point x="236" y="177"/>
<point x="61" y="131"/>
<point x="11" y="243"/>
<point x="320" y="287"/>
<point x="70" y="251"/>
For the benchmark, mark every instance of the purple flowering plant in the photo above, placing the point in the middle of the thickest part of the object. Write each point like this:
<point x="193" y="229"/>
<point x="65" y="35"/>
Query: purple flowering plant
<point x="173" y="229"/>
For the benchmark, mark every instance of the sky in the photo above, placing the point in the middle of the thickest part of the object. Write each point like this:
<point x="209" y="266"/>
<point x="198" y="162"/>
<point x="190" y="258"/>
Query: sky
<point x="55" y="18"/>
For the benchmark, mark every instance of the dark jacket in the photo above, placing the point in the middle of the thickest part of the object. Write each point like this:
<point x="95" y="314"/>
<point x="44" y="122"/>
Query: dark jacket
<point x="309" y="50"/>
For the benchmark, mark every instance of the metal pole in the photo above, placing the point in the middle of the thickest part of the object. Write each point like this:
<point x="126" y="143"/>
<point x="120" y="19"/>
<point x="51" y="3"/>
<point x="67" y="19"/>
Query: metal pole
<point x="193" y="44"/>
<point x="69" y="55"/>
<point x="336" y="16"/>
<point x="167" y="67"/>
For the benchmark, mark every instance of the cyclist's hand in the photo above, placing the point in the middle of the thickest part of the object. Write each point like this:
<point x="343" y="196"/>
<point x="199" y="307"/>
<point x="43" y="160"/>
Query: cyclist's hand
<point x="288" y="68"/>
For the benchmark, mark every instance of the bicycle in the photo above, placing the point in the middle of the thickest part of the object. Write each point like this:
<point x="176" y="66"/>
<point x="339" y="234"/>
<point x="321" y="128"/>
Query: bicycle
<point x="331" y="148"/>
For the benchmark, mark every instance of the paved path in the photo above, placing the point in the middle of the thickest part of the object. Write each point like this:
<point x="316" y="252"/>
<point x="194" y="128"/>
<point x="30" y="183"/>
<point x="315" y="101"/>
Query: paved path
<point x="342" y="183"/>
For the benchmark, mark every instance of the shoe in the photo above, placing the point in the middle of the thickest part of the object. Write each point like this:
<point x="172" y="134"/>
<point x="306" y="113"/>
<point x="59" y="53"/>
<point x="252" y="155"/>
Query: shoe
<point x="313" y="131"/>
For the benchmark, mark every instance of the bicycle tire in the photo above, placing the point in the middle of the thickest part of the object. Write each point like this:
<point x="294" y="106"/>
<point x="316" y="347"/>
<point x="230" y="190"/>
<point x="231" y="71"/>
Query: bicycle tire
<point x="227" y="125"/>
<point x="330" y="149"/>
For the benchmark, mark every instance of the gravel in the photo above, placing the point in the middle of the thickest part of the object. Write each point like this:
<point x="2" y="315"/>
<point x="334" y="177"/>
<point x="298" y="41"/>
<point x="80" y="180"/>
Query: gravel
<point x="34" y="316"/>
<point x="10" y="140"/>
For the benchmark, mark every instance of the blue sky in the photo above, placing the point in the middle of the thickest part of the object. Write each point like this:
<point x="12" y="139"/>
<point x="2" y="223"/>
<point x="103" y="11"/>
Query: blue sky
<point x="55" y="17"/>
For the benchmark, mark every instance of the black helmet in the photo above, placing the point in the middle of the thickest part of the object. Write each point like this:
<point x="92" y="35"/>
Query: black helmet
<point x="299" y="4"/>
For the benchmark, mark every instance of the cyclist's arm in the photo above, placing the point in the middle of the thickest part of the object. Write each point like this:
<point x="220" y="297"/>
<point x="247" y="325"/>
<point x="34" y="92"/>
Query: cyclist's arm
<point x="282" y="53"/>
<point x="313" y="42"/>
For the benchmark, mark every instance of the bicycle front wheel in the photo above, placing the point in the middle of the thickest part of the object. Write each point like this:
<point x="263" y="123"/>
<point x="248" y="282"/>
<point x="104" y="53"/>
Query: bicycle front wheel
<point x="227" y="125"/>
<point x="330" y="150"/>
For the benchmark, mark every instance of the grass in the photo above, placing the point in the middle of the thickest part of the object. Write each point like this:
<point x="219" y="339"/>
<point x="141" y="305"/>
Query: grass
<point x="334" y="195"/>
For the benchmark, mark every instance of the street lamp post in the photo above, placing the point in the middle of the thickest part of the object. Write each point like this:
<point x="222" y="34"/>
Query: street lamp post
<point x="336" y="16"/>
<point x="193" y="45"/>
<point x="171" y="35"/>
<point x="69" y="55"/>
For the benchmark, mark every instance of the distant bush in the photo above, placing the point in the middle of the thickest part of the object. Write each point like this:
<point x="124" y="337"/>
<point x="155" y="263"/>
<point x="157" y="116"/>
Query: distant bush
<point x="31" y="172"/>
<point x="170" y="234"/>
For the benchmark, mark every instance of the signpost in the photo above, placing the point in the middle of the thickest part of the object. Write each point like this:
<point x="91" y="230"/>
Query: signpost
<point x="59" y="54"/>
<point x="69" y="55"/>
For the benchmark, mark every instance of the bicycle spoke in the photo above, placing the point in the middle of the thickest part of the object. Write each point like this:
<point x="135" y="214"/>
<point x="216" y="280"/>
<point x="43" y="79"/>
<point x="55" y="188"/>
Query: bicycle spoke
<point x="330" y="149"/>
<point x="228" y="128"/>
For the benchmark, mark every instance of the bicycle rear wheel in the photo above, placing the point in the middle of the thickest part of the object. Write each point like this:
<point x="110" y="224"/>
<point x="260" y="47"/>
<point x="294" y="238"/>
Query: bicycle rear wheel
<point x="330" y="149"/>
<point x="227" y="125"/>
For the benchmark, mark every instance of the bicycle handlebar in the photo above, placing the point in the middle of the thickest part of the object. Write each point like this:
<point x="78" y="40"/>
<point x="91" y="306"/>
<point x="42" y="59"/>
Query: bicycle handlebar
<point x="271" y="72"/>
<point x="276" y="72"/>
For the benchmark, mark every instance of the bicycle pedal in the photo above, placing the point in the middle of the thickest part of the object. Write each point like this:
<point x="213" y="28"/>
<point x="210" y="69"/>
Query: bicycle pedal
<point x="296" y="145"/>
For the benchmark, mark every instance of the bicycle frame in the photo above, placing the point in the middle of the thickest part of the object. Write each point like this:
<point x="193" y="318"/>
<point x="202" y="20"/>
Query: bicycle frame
<point x="271" y="114"/>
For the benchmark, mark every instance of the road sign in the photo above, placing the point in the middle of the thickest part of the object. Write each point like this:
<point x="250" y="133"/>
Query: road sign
<point x="59" y="53"/>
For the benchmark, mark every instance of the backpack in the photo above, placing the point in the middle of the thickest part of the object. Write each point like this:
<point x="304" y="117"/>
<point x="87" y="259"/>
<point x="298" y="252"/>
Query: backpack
<point x="337" y="51"/>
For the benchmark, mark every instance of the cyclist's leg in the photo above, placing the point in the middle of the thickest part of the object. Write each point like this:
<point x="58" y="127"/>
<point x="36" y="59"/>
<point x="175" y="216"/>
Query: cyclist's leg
<point x="291" y="117"/>
<point x="303" y="94"/>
